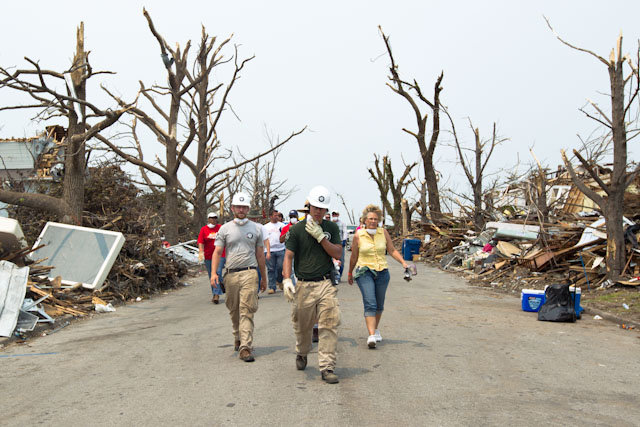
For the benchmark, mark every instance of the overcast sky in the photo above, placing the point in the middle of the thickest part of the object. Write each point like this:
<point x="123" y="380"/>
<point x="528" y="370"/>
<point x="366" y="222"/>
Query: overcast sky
<point x="325" y="66"/>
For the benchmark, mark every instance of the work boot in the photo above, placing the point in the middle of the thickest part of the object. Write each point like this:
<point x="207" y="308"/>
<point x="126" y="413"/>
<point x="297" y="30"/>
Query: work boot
<point x="301" y="362"/>
<point x="236" y="345"/>
<point x="246" y="355"/>
<point x="271" y="291"/>
<point x="329" y="377"/>
<point x="314" y="337"/>
<point x="280" y="285"/>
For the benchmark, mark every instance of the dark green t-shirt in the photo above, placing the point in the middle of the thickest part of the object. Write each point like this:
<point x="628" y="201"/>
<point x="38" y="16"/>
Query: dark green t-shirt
<point x="311" y="260"/>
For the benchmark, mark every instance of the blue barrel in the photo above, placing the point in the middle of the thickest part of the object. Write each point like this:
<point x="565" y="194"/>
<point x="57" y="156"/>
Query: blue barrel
<point x="410" y="247"/>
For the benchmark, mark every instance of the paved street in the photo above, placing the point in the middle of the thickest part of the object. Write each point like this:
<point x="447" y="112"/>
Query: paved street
<point x="451" y="355"/>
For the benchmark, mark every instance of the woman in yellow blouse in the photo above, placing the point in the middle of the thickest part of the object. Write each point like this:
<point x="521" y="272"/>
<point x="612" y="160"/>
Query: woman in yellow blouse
<point x="372" y="271"/>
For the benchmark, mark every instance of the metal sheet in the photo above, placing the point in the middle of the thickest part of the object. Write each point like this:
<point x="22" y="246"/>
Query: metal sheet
<point x="78" y="254"/>
<point x="13" y="287"/>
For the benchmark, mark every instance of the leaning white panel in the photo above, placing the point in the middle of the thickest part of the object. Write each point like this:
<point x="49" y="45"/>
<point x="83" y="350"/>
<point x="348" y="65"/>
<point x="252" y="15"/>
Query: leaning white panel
<point x="13" y="286"/>
<point x="78" y="254"/>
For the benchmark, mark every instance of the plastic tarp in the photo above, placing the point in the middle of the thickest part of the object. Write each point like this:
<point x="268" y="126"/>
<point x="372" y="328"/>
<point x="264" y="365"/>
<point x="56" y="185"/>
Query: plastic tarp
<point x="596" y="231"/>
<point x="78" y="254"/>
<point x="13" y="287"/>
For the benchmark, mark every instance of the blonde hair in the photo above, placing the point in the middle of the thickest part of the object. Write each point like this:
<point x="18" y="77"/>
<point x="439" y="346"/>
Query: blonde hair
<point x="371" y="208"/>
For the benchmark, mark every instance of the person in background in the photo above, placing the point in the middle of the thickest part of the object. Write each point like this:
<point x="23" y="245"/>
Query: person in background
<point x="372" y="271"/>
<point x="243" y="242"/>
<point x="293" y="219"/>
<point x="312" y="244"/>
<point x="274" y="265"/>
<point x="335" y="217"/>
<point x="267" y="250"/>
<point x="206" y="246"/>
<point x="284" y="234"/>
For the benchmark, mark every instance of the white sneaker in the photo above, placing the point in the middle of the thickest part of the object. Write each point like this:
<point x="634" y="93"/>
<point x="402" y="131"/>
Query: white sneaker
<point x="371" y="341"/>
<point x="378" y="336"/>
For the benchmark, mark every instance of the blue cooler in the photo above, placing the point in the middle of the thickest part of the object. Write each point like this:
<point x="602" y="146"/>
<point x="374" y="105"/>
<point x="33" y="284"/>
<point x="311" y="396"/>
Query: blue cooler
<point x="532" y="299"/>
<point x="410" y="247"/>
<point x="576" y="301"/>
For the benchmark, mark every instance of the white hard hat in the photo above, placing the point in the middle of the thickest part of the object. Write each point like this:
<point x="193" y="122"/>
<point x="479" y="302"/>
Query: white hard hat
<point x="319" y="197"/>
<point x="240" y="199"/>
<point x="212" y="215"/>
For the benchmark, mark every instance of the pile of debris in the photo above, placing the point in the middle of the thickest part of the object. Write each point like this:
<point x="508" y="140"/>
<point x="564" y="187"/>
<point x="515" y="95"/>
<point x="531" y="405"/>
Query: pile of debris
<point x="72" y="271"/>
<point x="517" y="255"/>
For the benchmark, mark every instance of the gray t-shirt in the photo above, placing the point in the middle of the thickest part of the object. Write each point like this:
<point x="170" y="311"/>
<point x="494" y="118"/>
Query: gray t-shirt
<point x="240" y="242"/>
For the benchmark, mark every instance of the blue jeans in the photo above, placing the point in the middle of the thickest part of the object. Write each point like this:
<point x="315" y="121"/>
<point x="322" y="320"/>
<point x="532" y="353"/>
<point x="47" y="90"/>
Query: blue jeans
<point x="344" y="244"/>
<point x="274" y="267"/>
<point x="207" y="263"/>
<point x="373" y="290"/>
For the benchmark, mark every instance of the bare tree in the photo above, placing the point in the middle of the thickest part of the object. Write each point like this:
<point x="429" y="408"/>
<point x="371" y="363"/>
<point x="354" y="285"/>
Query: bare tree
<point x="481" y="148"/>
<point x="185" y="89"/>
<point x="84" y="121"/>
<point x="350" y="214"/>
<point x="538" y="191"/>
<point x="402" y="88"/>
<point x="263" y="186"/>
<point x="386" y="182"/>
<point x="620" y="178"/>
<point x="207" y="108"/>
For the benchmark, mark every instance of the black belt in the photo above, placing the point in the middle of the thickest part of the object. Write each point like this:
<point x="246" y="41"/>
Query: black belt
<point x="235" y="270"/>
<point x="316" y="279"/>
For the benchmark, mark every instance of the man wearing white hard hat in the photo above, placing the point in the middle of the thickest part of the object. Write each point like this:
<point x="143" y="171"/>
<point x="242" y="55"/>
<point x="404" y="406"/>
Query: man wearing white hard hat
<point x="312" y="244"/>
<point x="206" y="246"/>
<point x="242" y="240"/>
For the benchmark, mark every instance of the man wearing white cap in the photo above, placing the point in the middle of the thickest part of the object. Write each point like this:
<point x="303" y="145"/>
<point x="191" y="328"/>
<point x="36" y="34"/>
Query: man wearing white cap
<point x="206" y="245"/>
<point x="242" y="240"/>
<point x="312" y="244"/>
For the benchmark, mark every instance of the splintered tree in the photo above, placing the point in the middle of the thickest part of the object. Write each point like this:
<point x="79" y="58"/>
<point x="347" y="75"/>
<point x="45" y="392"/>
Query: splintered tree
<point x="261" y="183"/>
<point x="386" y="182"/>
<point x="62" y="94"/>
<point x="402" y="88"/>
<point x="538" y="191"/>
<point x="191" y="93"/>
<point x="207" y="103"/>
<point x="611" y="203"/>
<point x="482" y="151"/>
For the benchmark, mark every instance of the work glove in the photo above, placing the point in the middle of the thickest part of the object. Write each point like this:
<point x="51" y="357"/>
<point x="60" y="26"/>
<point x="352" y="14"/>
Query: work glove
<point x="289" y="289"/>
<point x="200" y="256"/>
<point x="315" y="230"/>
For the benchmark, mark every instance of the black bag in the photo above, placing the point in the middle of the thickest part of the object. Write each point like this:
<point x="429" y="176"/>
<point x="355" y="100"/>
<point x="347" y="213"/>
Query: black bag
<point x="558" y="305"/>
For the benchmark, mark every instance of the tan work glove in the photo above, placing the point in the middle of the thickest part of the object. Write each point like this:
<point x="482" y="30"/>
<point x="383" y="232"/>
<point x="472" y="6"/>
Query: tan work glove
<point x="289" y="289"/>
<point x="314" y="229"/>
<point x="200" y="256"/>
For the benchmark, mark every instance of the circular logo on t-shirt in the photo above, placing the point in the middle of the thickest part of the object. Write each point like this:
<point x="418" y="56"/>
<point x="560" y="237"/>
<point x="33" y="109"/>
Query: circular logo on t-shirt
<point x="327" y="235"/>
<point x="249" y="235"/>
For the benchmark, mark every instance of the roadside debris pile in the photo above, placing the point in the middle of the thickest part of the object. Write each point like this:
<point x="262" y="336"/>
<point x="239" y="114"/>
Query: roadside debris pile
<point x="518" y="249"/>
<point x="71" y="271"/>
<point x="533" y="255"/>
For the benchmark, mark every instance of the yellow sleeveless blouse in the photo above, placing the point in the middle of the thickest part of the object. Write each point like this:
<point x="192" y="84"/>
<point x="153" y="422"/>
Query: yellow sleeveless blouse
<point x="372" y="250"/>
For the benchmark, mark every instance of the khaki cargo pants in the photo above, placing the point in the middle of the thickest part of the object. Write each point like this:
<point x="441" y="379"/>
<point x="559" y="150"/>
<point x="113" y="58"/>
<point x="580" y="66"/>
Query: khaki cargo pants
<point x="242" y="302"/>
<point x="317" y="300"/>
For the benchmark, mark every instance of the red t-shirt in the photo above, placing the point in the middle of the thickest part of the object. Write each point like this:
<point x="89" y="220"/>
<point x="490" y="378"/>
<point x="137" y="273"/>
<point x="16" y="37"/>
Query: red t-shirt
<point x="207" y="237"/>
<point x="285" y="229"/>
